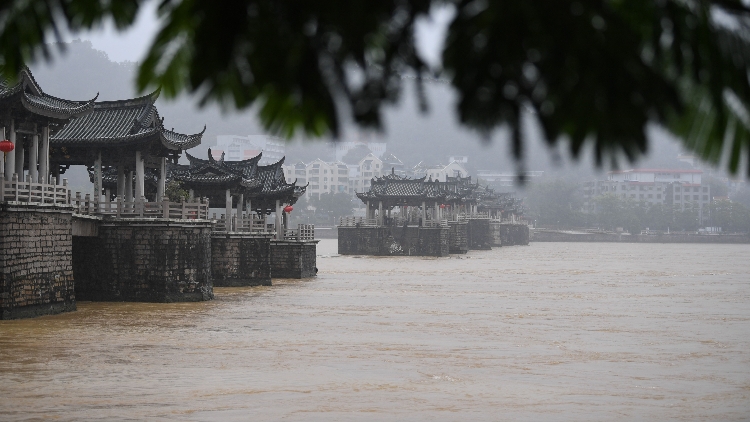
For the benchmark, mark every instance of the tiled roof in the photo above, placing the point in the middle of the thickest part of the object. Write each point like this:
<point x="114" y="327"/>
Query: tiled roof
<point x="247" y="176"/>
<point x="393" y="188"/>
<point x="35" y="100"/>
<point x="123" y="122"/>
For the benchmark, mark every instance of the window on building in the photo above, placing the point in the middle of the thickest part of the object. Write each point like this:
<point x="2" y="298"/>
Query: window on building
<point x="314" y="187"/>
<point x="650" y="195"/>
<point x="677" y="197"/>
<point x="696" y="189"/>
<point x="696" y="197"/>
<point x="658" y="196"/>
<point x="705" y="197"/>
<point x="641" y="196"/>
<point x="325" y="179"/>
<point x="705" y="189"/>
<point x="632" y="195"/>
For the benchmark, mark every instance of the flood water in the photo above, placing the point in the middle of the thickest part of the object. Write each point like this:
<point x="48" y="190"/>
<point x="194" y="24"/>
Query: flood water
<point x="551" y="331"/>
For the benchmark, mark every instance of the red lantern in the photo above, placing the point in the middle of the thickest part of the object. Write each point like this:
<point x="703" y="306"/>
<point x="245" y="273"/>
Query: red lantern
<point x="288" y="209"/>
<point x="442" y="206"/>
<point x="6" y="146"/>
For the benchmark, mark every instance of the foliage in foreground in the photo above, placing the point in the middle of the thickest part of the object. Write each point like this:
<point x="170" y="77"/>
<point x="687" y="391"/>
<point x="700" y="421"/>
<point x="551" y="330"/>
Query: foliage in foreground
<point x="588" y="70"/>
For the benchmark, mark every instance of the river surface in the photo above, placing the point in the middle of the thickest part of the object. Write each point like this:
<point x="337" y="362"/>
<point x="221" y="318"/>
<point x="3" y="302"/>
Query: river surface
<point x="551" y="331"/>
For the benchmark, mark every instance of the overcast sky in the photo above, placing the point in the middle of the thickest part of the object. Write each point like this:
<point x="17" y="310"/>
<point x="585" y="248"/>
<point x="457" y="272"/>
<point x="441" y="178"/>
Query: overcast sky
<point x="132" y="44"/>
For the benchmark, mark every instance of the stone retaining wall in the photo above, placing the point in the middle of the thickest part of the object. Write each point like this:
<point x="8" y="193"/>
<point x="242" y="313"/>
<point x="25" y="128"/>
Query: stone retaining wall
<point x="292" y="259"/>
<point x="458" y="237"/>
<point x="507" y="234"/>
<point x="36" y="272"/>
<point x="240" y="260"/>
<point x="478" y="234"/>
<point x="145" y="261"/>
<point x="394" y="241"/>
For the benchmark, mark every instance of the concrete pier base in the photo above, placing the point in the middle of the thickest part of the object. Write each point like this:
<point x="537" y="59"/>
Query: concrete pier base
<point x="458" y="242"/>
<point x="36" y="273"/>
<point x="239" y="260"/>
<point x="514" y="234"/>
<point x="145" y="260"/>
<point x="478" y="234"/>
<point x="293" y="259"/>
<point x="394" y="241"/>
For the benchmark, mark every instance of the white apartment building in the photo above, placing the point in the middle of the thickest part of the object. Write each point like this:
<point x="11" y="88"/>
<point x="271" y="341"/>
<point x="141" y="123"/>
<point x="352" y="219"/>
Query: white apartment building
<point x="679" y="188"/>
<point x="237" y="148"/>
<point x="507" y="179"/>
<point x="440" y="172"/>
<point x="321" y="177"/>
<point x="361" y="175"/>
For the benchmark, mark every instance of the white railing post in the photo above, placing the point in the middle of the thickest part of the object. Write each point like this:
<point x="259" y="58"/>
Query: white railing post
<point x="14" y="184"/>
<point x="66" y="192"/>
<point x="165" y="207"/>
<point x="2" y="187"/>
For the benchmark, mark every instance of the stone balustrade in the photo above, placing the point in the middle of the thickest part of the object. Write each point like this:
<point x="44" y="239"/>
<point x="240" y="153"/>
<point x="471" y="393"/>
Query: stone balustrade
<point x="15" y="190"/>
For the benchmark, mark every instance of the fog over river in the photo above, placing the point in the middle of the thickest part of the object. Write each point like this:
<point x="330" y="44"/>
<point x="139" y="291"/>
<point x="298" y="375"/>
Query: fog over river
<point x="551" y="331"/>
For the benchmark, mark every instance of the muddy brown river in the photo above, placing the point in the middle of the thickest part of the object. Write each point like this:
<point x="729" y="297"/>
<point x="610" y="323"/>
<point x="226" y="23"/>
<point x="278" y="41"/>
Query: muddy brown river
<point x="551" y="331"/>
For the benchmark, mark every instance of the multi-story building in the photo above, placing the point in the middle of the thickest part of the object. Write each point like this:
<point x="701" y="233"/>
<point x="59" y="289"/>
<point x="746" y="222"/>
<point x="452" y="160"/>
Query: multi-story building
<point x="236" y="148"/>
<point x="498" y="178"/>
<point x="361" y="175"/>
<point x="322" y="177"/>
<point x="678" y="188"/>
<point x="392" y="163"/>
<point x="439" y="172"/>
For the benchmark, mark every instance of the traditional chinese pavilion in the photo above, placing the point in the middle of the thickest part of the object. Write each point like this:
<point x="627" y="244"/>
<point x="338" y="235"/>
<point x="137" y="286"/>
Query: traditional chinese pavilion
<point x="391" y="191"/>
<point x="29" y="117"/>
<point x="126" y="138"/>
<point x="241" y="184"/>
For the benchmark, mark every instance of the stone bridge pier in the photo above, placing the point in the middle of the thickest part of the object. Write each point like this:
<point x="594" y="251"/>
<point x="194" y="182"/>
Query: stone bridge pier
<point x="36" y="249"/>
<point x="144" y="260"/>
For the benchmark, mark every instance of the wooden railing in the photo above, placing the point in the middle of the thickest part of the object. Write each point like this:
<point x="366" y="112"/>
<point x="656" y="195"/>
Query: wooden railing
<point x="35" y="193"/>
<point x="302" y="232"/>
<point x="358" y="222"/>
<point x="246" y="224"/>
<point x="254" y="225"/>
<point x="393" y="221"/>
<point x="195" y="210"/>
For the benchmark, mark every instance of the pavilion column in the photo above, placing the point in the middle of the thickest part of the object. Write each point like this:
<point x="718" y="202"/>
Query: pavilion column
<point x="161" y="186"/>
<point x="367" y="211"/>
<point x="129" y="187"/>
<point x="34" y="157"/>
<point x="424" y="213"/>
<point x="240" y="203"/>
<point x="10" y="158"/>
<point x="277" y="224"/>
<point x="380" y="213"/>
<point x="228" y="221"/>
<point x="98" y="177"/>
<point x="120" y="181"/>
<point x="139" y="177"/>
<point x="436" y="214"/>
<point x="191" y="195"/>
<point x="44" y="156"/>
<point x="20" y="159"/>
